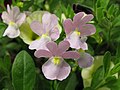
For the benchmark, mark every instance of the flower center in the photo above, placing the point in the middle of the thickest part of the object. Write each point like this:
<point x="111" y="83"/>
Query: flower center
<point x="45" y="35"/>
<point x="77" y="32"/>
<point x="56" y="60"/>
<point x="11" y="23"/>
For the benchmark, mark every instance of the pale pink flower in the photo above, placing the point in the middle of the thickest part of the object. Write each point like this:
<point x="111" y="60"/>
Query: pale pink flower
<point x="47" y="30"/>
<point x="14" y="19"/>
<point x="78" y="29"/>
<point x="56" y="67"/>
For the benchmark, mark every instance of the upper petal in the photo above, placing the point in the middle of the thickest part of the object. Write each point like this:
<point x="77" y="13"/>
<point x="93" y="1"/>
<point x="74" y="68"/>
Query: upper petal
<point x="49" y="21"/>
<point x="87" y="29"/>
<point x="85" y="60"/>
<point x="37" y="27"/>
<point x="52" y="47"/>
<point x="68" y="26"/>
<point x="54" y="33"/>
<point x="20" y="18"/>
<point x="63" y="46"/>
<point x="16" y="11"/>
<point x="71" y="54"/>
<point x="87" y="18"/>
<point x="42" y="53"/>
<point x="6" y="18"/>
<point x="77" y="18"/>
<point x="53" y="72"/>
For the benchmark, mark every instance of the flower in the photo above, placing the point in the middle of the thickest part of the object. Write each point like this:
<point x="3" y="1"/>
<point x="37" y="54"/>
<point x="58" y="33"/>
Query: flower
<point x="56" y="67"/>
<point x="85" y="60"/>
<point x="14" y="19"/>
<point x="47" y="30"/>
<point x="78" y="30"/>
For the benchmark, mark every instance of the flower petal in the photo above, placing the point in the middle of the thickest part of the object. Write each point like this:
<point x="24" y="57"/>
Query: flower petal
<point x="53" y="72"/>
<point x="77" y="18"/>
<point x="12" y="32"/>
<point x="87" y="18"/>
<point x="54" y="33"/>
<point x="52" y="46"/>
<point x="49" y="21"/>
<point x="83" y="45"/>
<point x="85" y="60"/>
<point x="87" y="29"/>
<point x="71" y="55"/>
<point x="40" y="44"/>
<point x="76" y="42"/>
<point x="63" y="46"/>
<point x="20" y="18"/>
<point x="37" y="27"/>
<point x="6" y="18"/>
<point x="42" y="53"/>
<point x="16" y="11"/>
<point x="68" y="26"/>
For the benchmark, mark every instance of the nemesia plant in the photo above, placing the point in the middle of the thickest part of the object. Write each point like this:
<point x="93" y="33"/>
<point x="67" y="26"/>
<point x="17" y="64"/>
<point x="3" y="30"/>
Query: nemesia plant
<point x="56" y="67"/>
<point x="13" y="18"/>
<point x="59" y="45"/>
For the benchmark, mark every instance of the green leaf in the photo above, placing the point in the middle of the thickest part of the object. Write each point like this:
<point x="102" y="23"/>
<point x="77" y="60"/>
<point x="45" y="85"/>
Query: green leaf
<point x="116" y="21"/>
<point x="7" y="62"/>
<point x="98" y="77"/>
<point x="106" y="62"/>
<point x="102" y="3"/>
<point x="115" y="69"/>
<point x="2" y="29"/>
<point x="69" y="84"/>
<point x="114" y="84"/>
<point x="23" y="72"/>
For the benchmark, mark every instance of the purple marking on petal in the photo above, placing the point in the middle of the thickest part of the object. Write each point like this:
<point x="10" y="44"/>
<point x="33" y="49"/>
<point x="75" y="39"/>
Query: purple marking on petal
<point x="71" y="55"/>
<point x="52" y="47"/>
<point x="42" y="53"/>
<point x="86" y="60"/>
<point x="68" y="26"/>
<point x="63" y="46"/>
<point x="37" y="27"/>
<point x="53" y="72"/>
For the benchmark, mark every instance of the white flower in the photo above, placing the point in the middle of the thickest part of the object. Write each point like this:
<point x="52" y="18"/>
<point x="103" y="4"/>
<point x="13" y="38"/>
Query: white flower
<point x="14" y="19"/>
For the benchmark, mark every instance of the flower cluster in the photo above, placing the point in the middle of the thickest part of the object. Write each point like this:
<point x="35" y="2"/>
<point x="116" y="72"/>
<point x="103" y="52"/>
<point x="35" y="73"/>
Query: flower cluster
<point x="48" y="32"/>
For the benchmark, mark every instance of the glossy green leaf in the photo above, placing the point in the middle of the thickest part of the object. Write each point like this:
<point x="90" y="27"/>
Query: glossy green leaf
<point x="98" y="77"/>
<point x="23" y="72"/>
<point x="115" y="69"/>
<point x="106" y="62"/>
